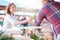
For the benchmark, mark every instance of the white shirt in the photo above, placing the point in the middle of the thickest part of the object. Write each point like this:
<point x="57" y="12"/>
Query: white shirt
<point x="8" y="22"/>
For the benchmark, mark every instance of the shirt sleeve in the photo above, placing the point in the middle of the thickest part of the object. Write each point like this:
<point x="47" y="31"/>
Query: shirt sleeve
<point x="40" y="17"/>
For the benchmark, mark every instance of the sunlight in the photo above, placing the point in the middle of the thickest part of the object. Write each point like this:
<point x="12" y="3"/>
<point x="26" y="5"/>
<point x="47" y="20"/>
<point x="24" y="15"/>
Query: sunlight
<point x="27" y="3"/>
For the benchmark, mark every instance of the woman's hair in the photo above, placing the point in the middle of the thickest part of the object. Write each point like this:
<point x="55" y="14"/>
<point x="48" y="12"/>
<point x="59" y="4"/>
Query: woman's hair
<point x="8" y="8"/>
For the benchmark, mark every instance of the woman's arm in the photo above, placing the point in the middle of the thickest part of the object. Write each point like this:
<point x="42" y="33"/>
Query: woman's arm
<point x="20" y="22"/>
<point x="15" y="22"/>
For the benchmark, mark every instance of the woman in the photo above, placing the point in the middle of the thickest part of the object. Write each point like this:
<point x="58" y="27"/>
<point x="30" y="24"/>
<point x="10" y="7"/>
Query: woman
<point x="9" y="19"/>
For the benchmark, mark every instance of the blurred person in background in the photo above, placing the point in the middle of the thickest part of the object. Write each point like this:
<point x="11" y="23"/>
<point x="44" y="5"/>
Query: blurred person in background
<point x="9" y="19"/>
<point x="25" y="24"/>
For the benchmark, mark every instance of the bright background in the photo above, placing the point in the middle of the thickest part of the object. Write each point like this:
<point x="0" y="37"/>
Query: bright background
<point x="28" y="4"/>
<point x="24" y="3"/>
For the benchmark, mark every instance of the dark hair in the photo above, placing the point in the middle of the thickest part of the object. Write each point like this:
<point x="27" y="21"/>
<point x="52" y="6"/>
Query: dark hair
<point x="8" y="8"/>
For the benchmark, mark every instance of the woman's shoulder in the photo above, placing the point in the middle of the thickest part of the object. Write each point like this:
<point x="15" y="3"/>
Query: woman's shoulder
<point x="7" y="16"/>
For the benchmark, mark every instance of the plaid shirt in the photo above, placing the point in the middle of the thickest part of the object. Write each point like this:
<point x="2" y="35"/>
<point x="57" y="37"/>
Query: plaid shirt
<point x="51" y="12"/>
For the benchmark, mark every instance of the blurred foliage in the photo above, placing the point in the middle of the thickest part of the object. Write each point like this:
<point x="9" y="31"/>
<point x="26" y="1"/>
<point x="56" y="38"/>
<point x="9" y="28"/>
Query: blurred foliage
<point x="41" y="38"/>
<point x="33" y="36"/>
<point x="6" y="38"/>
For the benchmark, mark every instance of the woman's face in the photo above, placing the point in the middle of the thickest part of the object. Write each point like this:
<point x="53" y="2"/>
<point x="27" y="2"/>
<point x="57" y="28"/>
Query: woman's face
<point x="12" y="8"/>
